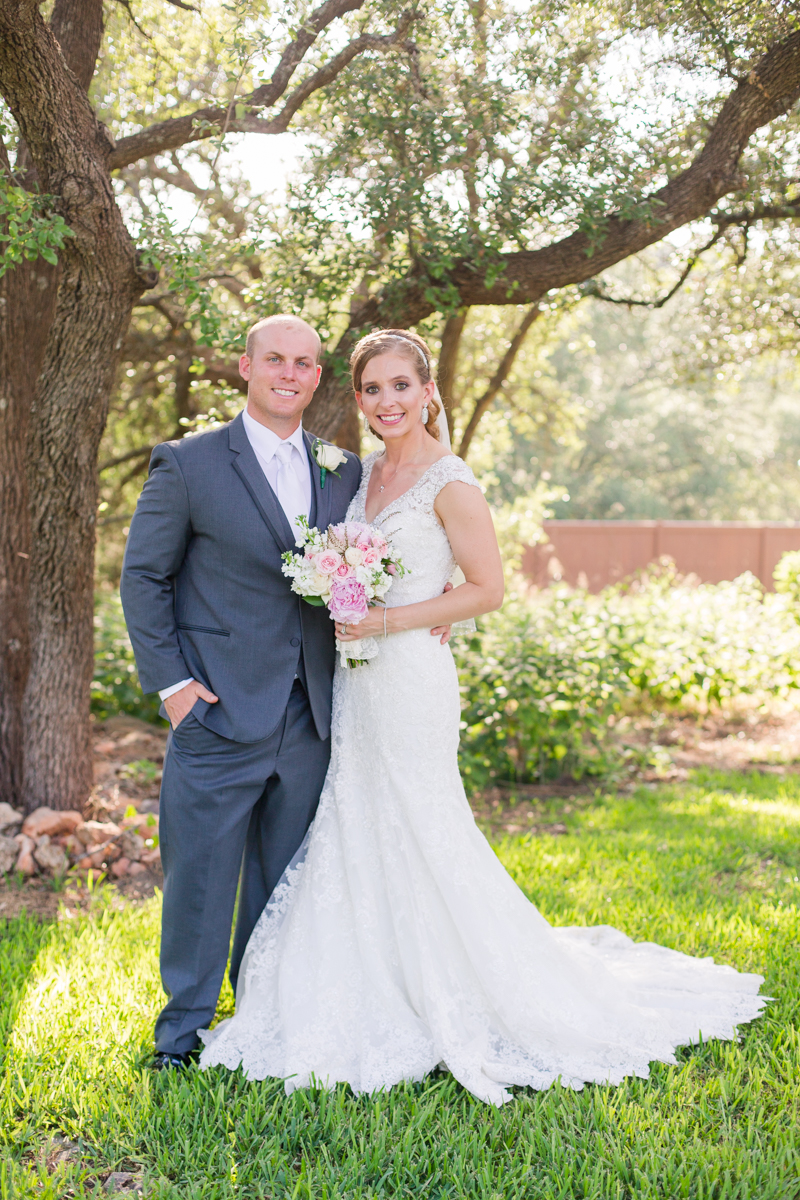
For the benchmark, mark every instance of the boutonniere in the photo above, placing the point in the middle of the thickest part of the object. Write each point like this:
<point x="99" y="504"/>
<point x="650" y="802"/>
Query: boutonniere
<point x="328" y="458"/>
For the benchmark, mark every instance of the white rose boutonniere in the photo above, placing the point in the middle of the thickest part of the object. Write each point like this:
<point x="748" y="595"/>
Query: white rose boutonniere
<point x="328" y="458"/>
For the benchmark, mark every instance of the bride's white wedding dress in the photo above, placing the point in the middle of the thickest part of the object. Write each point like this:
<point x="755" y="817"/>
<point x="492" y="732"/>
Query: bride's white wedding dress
<point x="397" y="941"/>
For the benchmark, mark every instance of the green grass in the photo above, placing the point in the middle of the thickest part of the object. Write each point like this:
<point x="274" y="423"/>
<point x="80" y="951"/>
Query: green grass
<point x="710" y="868"/>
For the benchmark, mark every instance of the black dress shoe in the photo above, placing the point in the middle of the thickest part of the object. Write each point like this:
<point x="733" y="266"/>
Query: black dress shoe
<point x="172" y="1062"/>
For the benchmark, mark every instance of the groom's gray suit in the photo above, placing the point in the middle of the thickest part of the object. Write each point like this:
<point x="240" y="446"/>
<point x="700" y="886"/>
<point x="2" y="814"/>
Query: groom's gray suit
<point x="204" y="596"/>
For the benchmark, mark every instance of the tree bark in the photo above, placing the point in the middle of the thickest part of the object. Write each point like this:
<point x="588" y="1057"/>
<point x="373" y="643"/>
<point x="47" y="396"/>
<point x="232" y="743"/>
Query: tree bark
<point x="98" y="284"/>
<point x="27" y="306"/>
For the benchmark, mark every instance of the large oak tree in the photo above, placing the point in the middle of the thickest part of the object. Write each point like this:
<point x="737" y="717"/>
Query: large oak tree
<point x="494" y="159"/>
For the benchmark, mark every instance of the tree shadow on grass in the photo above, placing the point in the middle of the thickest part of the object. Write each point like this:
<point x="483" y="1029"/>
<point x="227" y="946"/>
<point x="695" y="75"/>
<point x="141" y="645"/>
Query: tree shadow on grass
<point x="21" y="940"/>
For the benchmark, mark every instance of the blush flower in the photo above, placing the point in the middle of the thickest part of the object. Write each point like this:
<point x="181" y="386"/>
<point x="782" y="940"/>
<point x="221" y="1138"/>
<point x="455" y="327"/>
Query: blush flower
<point x="371" y="556"/>
<point x="343" y="571"/>
<point x="328" y="562"/>
<point x="348" y="601"/>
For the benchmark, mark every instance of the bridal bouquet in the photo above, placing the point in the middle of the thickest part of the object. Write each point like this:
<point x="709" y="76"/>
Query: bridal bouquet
<point x="343" y="569"/>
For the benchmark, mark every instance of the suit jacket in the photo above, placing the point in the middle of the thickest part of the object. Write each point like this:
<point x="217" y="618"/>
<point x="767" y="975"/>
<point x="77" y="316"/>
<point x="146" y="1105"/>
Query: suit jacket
<point x="203" y="591"/>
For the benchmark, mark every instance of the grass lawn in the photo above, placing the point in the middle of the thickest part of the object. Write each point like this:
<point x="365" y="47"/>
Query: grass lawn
<point x="710" y="867"/>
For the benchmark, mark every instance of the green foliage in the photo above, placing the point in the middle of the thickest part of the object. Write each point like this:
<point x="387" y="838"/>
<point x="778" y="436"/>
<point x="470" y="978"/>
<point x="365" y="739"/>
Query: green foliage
<point x="115" y="684"/>
<point x="538" y="687"/>
<point x="787" y="578"/>
<point x="544" y="681"/>
<point x="29" y="228"/>
<point x="709" y="868"/>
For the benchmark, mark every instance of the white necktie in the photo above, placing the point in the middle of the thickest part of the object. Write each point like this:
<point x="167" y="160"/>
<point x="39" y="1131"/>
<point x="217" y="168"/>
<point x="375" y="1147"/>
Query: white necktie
<point x="289" y="487"/>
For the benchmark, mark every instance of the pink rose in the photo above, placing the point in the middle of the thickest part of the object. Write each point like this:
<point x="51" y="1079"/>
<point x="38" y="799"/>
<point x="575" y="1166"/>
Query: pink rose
<point x="343" y="571"/>
<point x="348" y="600"/>
<point x="379" y="544"/>
<point x="328" y="562"/>
<point x="392" y="569"/>
<point x="371" y="556"/>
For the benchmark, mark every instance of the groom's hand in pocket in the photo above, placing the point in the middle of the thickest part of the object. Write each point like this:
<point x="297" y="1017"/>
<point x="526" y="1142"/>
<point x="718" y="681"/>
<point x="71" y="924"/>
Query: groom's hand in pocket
<point x="443" y="631"/>
<point x="181" y="703"/>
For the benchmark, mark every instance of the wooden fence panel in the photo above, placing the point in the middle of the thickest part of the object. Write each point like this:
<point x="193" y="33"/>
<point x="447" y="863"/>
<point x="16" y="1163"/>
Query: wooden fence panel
<point x="594" y="554"/>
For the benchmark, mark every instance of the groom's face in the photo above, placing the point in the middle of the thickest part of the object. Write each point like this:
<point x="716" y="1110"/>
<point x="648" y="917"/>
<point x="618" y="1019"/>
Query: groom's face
<point x="281" y="375"/>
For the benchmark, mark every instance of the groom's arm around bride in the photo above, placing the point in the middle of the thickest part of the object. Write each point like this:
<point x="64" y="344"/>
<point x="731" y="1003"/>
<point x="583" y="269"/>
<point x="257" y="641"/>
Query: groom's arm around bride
<point x="244" y="668"/>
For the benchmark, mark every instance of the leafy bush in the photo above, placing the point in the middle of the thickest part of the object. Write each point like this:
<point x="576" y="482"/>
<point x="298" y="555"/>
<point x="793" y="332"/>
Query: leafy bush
<point x="538" y="687"/>
<point x="787" y="579"/>
<point x="115" y="686"/>
<point x="543" y="682"/>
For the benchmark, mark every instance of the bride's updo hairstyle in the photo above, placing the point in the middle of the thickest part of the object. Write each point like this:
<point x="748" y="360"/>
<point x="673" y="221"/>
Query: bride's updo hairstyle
<point x="408" y="345"/>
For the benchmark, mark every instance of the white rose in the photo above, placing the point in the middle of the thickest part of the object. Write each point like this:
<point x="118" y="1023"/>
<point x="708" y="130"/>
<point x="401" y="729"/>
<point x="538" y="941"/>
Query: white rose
<point x="318" y="584"/>
<point x="329" y="457"/>
<point x="354" y="556"/>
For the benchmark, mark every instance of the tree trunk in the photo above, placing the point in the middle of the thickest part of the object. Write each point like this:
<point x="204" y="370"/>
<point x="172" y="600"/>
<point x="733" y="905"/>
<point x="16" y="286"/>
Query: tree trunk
<point x="98" y="284"/>
<point x="27" y="303"/>
<point x="94" y="309"/>
<point x="448" y="357"/>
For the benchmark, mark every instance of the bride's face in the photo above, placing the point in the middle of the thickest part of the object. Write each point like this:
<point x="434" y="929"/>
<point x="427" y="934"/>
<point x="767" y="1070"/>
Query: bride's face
<point x="392" y="395"/>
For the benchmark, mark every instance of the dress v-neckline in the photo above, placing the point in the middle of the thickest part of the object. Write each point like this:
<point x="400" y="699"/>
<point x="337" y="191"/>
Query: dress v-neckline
<point x="408" y="490"/>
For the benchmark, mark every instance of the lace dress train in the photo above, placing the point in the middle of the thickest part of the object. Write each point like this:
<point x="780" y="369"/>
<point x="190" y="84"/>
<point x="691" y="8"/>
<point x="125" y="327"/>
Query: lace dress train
<point x="397" y="941"/>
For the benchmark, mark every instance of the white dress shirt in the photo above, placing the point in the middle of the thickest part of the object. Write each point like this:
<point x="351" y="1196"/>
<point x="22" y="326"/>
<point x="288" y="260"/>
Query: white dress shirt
<point x="288" y="475"/>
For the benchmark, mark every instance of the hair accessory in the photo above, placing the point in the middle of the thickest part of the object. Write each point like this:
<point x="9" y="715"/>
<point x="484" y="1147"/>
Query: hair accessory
<point x="400" y="337"/>
<point x="425" y="414"/>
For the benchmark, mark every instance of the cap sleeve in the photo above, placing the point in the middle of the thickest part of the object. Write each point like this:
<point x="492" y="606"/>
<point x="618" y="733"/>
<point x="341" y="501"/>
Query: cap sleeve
<point x="451" y="469"/>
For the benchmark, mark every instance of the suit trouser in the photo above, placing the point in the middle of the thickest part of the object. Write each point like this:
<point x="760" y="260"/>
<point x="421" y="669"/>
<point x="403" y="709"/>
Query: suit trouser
<point x="226" y="806"/>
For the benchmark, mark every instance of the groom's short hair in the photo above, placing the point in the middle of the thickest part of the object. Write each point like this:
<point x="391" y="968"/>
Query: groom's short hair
<point x="280" y="319"/>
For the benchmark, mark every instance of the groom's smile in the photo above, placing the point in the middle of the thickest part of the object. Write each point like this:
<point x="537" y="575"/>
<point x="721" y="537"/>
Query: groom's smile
<point x="282" y="371"/>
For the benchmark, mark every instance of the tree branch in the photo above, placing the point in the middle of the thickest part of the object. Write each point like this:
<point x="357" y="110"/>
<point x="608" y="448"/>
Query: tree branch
<point x="771" y="88"/>
<point x="592" y="288"/>
<point x="141" y="452"/>
<point x="177" y="131"/>
<point x="497" y="380"/>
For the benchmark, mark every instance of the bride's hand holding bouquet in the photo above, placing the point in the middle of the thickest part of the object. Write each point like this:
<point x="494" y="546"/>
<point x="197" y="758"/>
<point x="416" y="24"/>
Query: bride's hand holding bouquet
<point x="345" y="569"/>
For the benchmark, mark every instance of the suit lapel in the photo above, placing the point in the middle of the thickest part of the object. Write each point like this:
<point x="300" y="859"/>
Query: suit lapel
<point x="249" y="470"/>
<point x="321" y="508"/>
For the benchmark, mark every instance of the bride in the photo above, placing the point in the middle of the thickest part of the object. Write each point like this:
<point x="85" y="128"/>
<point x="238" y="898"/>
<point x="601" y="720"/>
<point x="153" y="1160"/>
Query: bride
<point x="396" y="941"/>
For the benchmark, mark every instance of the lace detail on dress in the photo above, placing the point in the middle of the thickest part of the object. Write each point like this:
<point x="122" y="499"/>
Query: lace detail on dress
<point x="397" y="941"/>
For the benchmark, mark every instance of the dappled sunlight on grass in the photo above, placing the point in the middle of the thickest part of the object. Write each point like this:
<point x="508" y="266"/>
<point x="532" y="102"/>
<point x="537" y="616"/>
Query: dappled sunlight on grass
<point x="708" y="868"/>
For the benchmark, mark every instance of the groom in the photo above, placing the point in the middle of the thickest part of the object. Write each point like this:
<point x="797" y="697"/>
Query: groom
<point x="243" y="666"/>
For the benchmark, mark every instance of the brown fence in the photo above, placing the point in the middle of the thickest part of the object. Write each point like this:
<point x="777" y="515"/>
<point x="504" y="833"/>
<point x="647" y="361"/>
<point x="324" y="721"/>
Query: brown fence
<point x="593" y="554"/>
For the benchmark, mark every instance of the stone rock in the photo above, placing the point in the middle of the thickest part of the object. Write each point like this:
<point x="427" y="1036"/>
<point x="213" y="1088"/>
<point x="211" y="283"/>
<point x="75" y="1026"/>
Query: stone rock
<point x="122" y="1181"/>
<point x="94" y="833"/>
<point x="137" y="868"/>
<point x="120" y="867"/>
<point x="9" y="817"/>
<point x="47" y="821"/>
<point x="151" y="857"/>
<point x="132" y="845"/>
<point x="25" y="863"/>
<point x="50" y="856"/>
<point x="8" y="854"/>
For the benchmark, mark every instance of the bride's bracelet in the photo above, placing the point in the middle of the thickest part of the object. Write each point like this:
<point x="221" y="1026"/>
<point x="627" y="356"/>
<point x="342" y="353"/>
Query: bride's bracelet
<point x="384" y="622"/>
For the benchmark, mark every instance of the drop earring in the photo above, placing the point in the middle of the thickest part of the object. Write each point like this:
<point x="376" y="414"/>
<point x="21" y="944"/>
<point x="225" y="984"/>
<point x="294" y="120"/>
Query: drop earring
<point x="424" y="414"/>
<point x="366" y="425"/>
